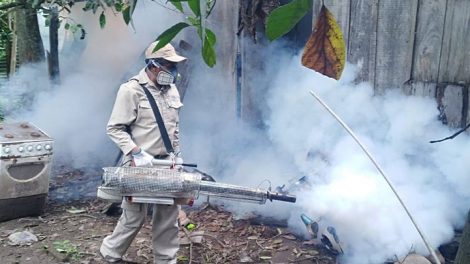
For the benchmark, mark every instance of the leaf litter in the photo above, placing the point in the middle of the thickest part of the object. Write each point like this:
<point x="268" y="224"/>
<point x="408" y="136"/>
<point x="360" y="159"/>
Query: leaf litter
<point x="77" y="230"/>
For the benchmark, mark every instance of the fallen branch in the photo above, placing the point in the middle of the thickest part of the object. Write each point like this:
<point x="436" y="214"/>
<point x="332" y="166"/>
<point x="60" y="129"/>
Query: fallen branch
<point x="78" y="215"/>
<point x="88" y="253"/>
<point x="259" y="245"/>
<point x="40" y="219"/>
<point x="213" y="237"/>
<point x="94" y="236"/>
<point x="451" y="137"/>
<point x="305" y="259"/>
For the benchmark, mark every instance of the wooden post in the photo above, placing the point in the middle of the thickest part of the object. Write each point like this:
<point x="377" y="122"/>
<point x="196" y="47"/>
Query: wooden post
<point x="53" y="55"/>
<point x="463" y="254"/>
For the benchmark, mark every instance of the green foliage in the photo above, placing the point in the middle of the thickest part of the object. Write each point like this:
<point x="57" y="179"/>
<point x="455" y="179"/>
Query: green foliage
<point x="208" y="50"/>
<point x="210" y="4"/>
<point x="67" y="248"/>
<point x="285" y="17"/>
<point x="119" y="6"/>
<point x="102" y="20"/>
<point x="125" y="7"/>
<point x="69" y="24"/>
<point x="195" y="6"/>
<point x="128" y="10"/>
<point x="91" y="5"/>
<point x="127" y="14"/>
<point x="194" y="21"/>
<point x="210" y="37"/>
<point x="178" y="5"/>
<point x="5" y="36"/>
<point x="182" y="258"/>
<point x="5" y="33"/>
<point x="169" y="34"/>
<point x="206" y="36"/>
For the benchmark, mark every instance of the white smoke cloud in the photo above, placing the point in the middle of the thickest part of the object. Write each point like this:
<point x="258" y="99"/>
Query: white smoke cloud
<point x="346" y="190"/>
<point x="351" y="195"/>
<point x="300" y="138"/>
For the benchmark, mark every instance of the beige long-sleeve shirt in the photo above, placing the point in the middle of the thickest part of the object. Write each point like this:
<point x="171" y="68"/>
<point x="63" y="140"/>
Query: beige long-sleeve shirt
<point x="132" y="122"/>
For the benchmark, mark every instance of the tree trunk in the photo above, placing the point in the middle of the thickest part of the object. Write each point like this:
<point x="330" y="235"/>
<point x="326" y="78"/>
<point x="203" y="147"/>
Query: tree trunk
<point x="463" y="254"/>
<point x="29" y="43"/>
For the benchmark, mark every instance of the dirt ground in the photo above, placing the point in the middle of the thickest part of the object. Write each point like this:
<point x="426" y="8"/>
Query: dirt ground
<point x="73" y="225"/>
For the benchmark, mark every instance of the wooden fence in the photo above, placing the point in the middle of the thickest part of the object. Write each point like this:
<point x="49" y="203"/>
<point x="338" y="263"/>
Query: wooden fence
<point x="419" y="46"/>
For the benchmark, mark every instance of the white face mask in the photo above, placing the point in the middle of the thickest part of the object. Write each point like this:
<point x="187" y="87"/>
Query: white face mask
<point x="165" y="78"/>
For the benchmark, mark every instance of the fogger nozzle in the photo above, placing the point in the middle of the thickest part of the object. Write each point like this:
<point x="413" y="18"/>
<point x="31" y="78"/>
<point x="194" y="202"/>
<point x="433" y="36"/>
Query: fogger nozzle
<point x="281" y="197"/>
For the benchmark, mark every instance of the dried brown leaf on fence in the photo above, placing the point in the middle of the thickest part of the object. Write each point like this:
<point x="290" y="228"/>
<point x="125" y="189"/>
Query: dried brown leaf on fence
<point x="325" y="49"/>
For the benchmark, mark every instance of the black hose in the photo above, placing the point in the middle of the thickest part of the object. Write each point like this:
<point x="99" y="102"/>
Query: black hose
<point x="190" y="165"/>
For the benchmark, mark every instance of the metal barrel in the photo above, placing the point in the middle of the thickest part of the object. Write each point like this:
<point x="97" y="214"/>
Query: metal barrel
<point x="233" y="192"/>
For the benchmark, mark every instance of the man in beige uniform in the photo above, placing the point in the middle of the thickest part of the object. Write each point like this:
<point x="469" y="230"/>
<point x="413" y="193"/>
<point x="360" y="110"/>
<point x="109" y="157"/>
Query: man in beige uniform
<point x="132" y="126"/>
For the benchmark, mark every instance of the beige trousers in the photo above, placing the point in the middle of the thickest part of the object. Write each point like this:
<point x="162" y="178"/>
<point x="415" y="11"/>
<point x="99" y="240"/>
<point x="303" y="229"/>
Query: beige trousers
<point x="164" y="232"/>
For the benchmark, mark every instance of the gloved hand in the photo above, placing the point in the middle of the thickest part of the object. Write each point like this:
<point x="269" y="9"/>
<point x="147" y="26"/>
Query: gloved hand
<point x="176" y="160"/>
<point x="142" y="159"/>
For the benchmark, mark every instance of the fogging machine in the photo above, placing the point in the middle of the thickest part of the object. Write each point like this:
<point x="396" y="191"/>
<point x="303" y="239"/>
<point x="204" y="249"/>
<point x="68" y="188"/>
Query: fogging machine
<point x="164" y="185"/>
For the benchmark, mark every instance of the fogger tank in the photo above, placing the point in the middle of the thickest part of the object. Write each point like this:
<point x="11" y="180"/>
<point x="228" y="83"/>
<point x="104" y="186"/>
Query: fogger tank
<point x="25" y="166"/>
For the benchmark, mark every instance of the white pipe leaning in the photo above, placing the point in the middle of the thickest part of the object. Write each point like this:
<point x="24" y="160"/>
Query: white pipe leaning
<point x="345" y="126"/>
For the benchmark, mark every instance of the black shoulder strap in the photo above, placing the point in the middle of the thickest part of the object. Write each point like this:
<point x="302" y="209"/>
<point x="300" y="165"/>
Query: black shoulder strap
<point x="158" y="117"/>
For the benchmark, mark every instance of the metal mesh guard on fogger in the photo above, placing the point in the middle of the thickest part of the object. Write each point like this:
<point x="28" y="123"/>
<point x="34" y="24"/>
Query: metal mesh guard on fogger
<point x="172" y="183"/>
<point x="163" y="182"/>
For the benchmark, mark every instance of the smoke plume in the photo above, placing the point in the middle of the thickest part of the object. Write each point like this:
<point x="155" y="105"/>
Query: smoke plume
<point x="344" y="189"/>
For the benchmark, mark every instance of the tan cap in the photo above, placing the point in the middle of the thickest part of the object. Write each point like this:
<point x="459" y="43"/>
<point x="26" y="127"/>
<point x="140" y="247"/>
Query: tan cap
<point x="167" y="52"/>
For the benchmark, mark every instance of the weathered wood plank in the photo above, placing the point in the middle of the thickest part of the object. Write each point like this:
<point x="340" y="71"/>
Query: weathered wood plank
<point x="395" y="37"/>
<point x="14" y="55"/>
<point x="423" y="89"/>
<point x="428" y="40"/>
<point x="53" y="53"/>
<point x="250" y="89"/>
<point x="455" y="58"/>
<point x="467" y="105"/>
<point x="450" y="100"/>
<point x="363" y="37"/>
<point x="339" y="9"/>
<point x="226" y="15"/>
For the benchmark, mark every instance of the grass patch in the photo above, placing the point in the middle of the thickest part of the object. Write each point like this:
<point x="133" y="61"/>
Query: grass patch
<point x="67" y="248"/>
